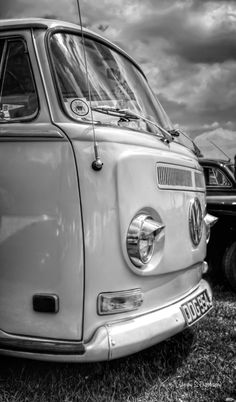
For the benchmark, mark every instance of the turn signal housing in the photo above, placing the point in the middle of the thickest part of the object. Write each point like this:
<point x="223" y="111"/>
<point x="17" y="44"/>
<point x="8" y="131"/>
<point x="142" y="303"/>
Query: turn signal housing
<point x="210" y="221"/>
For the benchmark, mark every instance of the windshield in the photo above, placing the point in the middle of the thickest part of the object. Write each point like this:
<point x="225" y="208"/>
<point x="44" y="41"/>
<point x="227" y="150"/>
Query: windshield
<point x="115" y="83"/>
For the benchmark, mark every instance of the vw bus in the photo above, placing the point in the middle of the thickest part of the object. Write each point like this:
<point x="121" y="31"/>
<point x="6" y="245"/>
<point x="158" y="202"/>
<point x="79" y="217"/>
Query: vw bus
<point x="103" y="224"/>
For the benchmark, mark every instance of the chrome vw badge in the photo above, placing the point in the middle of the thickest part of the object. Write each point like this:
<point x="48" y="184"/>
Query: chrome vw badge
<point x="195" y="221"/>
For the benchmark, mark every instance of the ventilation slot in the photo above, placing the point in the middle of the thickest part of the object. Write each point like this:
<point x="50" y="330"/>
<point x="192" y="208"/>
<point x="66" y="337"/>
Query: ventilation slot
<point x="172" y="177"/>
<point x="199" y="181"/>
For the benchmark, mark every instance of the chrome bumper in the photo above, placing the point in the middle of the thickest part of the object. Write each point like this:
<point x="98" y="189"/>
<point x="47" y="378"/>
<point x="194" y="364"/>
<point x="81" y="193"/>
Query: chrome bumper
<point x="110" y="341"/>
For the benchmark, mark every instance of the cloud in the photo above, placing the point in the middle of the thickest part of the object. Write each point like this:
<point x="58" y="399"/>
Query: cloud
<point x="62" y="9"/>
<point x="223" y="138"/>
<point x="215" y="91"/>
<point x="6" y="8"/>
<point x="202" y="35"/>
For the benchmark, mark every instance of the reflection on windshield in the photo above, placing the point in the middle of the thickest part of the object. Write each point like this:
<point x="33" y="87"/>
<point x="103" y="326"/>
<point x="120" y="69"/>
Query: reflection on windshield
<point x="113" y="82"/>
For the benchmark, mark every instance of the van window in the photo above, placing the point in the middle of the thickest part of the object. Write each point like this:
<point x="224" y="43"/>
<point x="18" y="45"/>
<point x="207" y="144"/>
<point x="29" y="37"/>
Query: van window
<point x="215" y="178"/>
<point x="18" y="97"/>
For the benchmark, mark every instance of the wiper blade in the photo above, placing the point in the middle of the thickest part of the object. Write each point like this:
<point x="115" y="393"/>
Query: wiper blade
<point x="178" y="131"/>
<point x="174" y="132"/>
<point x="166" y="134"/>
<point x="131" y="115"/>
<point x="113" y="111"/>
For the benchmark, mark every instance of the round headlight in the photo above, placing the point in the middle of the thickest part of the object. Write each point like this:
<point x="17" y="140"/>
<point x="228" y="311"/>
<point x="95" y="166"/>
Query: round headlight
<point x="141" y="237"/>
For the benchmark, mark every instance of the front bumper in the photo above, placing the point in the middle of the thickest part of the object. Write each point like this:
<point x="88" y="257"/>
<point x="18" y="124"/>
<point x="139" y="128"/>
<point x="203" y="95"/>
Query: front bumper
<point x="110" y="341"/>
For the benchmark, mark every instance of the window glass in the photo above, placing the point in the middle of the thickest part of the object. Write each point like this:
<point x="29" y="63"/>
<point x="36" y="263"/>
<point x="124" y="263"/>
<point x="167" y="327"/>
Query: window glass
<point x="1" y="50"/>
<point x="18" y="97"/>
<point x="216" y="178"/>
<point x="115" y="83"/>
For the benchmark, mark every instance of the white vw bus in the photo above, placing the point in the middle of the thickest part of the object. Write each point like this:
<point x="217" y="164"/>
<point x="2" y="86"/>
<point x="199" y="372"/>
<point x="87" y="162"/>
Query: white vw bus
<point x="102" y="214"/>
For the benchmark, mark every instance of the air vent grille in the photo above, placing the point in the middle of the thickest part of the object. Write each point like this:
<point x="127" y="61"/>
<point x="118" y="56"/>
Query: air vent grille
<point x="178" y="177"/>
<point x="174" y="177"/>
<point x="199" y="180"/>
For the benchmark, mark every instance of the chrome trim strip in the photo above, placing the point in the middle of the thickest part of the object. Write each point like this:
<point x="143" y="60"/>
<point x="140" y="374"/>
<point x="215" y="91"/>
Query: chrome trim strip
<point x="24" y="344"/>
<point x="42" y="75"/>
<point x="18" y="25"/>
<point x="31" y="138"/>
<point x="35" y="131"/>
<point x="225" y="199"/>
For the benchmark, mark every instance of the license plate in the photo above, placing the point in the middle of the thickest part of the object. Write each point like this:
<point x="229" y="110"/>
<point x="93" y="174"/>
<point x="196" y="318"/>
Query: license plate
<point x="196" y="307"/>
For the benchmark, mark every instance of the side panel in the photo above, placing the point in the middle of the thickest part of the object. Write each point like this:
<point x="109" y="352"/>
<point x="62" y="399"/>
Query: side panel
<point x="41" y="241"/>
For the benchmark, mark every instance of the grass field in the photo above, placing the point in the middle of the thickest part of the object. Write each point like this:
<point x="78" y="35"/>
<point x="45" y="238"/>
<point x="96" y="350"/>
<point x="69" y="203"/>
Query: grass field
<point x="196" y="365"/>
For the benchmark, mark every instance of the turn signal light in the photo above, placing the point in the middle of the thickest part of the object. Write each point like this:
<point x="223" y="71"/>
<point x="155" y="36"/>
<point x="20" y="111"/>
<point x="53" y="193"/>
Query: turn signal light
<point x="119" y="302"/>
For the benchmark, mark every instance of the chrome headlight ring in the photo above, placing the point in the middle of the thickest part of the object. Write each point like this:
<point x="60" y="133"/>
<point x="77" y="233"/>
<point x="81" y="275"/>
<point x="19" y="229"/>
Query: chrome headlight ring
<point x="142" y="234"/>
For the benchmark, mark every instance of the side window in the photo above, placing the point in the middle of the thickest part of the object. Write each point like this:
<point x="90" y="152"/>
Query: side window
<point x="215" y="177"/>
<point x="18" y="96"/>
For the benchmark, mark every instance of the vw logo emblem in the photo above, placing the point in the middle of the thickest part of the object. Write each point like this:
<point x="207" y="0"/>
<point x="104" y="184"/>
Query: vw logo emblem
<point x="195" y="221"/>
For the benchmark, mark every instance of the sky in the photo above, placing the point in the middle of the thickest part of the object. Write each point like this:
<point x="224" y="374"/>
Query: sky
<point x="186" y="48"/>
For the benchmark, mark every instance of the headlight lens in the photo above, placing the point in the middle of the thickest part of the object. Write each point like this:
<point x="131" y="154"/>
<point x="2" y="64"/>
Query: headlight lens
<point x="142" y="234"/>
<point x="146" y="246"/>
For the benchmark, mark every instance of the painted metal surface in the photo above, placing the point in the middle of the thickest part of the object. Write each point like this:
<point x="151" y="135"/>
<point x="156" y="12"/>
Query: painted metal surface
<point x="41" y="245"/>
<point x="113" y="340"/>
<point x="48" y="190"/>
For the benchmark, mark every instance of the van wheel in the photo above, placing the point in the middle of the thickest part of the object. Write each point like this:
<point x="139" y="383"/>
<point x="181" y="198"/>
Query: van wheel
<point x="229" y="265"/>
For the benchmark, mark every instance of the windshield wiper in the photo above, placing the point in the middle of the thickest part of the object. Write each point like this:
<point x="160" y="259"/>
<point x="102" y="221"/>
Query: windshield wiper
<point x="113" y="111"/>
<point x="176" y="133"/>
<point x="130" y="115"/>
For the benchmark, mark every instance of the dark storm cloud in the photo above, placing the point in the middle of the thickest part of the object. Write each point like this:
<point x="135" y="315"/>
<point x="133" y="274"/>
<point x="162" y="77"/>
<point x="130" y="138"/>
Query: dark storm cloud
<point x="216" y="47"/>
<point x="61" y="9"/>
<point x="175" y="108"/>
<point x="204" y="2"/>
<point x="194" y="121"/>
<point x="11" y="8"/>
<point x="95" y="13"/>
<point x="186" y="35"/>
